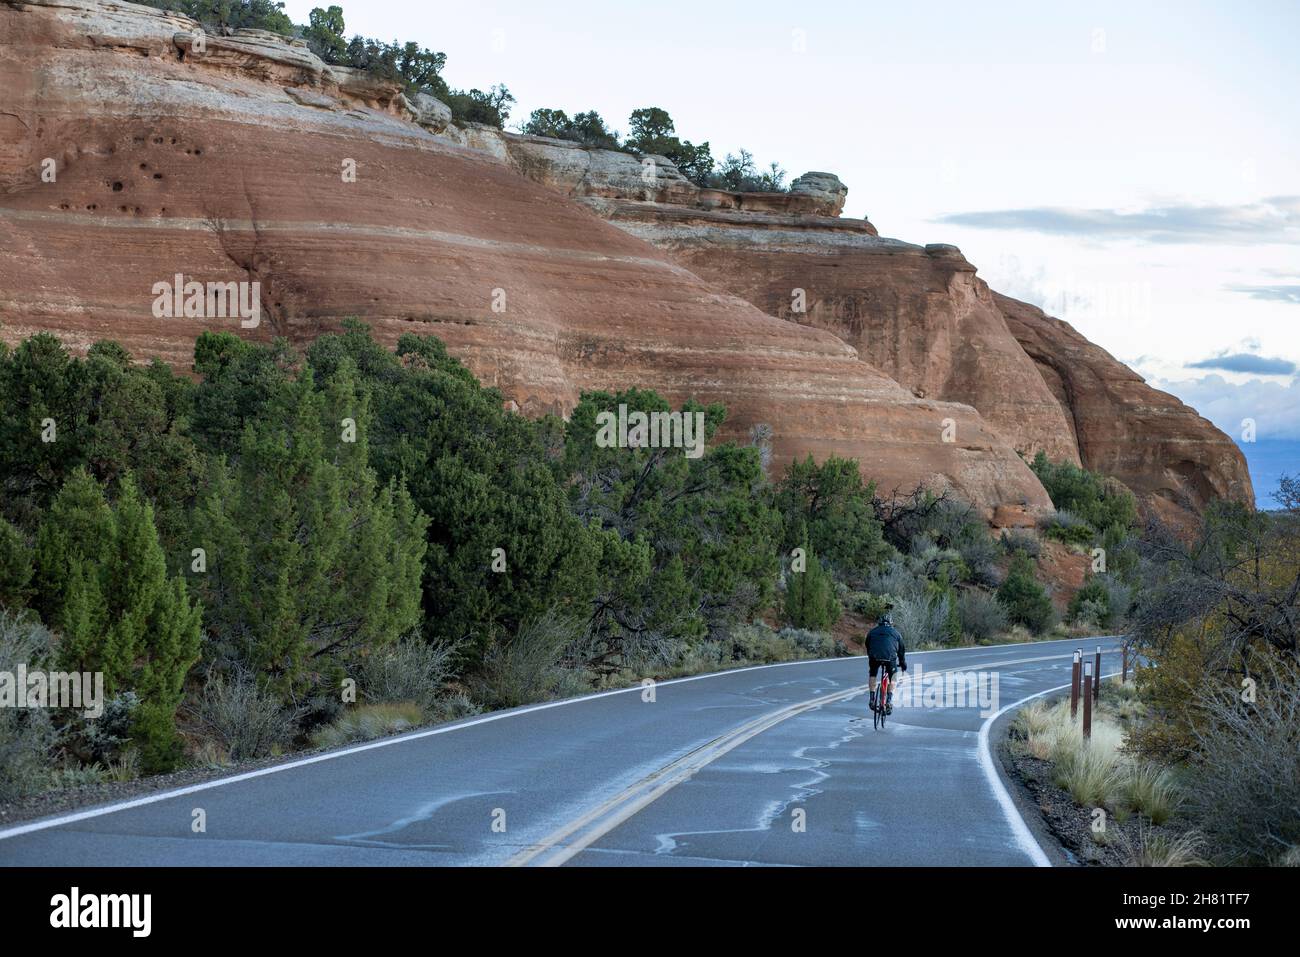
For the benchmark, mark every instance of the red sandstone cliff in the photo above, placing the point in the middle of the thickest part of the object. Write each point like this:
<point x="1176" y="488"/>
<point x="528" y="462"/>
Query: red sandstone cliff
<point x="919" y="314"/>
<point x="1172" y="458"/>
<point x="224" y="163"/>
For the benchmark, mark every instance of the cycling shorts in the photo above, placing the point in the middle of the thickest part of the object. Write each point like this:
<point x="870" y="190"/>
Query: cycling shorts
<point x="890" y="665"/>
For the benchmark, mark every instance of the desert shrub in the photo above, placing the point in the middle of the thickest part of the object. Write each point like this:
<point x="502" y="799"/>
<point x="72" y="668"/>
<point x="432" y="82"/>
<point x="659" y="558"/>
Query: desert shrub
<point x="73" y="776"/>
<point x="1024" y="598"/>
<point x="700" y="657"/>
<point x="922" y="621"/>
<point x="1091" y="604"/>
<point x="27" y="736"/>
<point x="454" y="706"/>
<point x="982" y="615"/>
<point x="106" y="738"/>
<point x="813" y="644"/>
<point x="1152" y="848"/>
<point x="411" y="670"/>
<point x="870" y="606"/>
<point x="527" y="668"/>
<point x="366" y="722"/>
<point x="244" y="718"/>
<point x="1245" y="789"/>
<point x="759" y="644"/>
<point x="1067" y="527"/>
<point x="979" y="554"/>
<point x="896" y="580"/>
<point x="1020" y="540"/>
<point x="1097" y="501"/>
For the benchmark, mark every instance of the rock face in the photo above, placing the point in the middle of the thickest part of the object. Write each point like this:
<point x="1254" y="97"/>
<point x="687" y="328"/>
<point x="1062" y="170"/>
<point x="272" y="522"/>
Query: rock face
<point x="1172" y="458"/>
<point x="919" y="314"/>
<point x="547" y="267"/>
<point x="232" y="163"/>
<point x="922" y="316"/>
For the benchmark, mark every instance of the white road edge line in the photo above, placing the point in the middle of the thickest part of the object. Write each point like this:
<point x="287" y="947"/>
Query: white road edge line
<point x="46" y="823"/>
<point x="596" y="823"/>
<point x="1024" y="836"/>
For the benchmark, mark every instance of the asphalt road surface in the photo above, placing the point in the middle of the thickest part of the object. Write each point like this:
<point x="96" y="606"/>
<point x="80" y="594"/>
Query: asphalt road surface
<point x="776" y="765"/>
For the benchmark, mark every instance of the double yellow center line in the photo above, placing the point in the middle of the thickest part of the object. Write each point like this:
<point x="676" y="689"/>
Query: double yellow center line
<point x="572" y="838"/>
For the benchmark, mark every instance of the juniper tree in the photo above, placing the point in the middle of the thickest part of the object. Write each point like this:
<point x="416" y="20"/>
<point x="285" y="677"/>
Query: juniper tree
<point x="311" y="561"/>
<point x="102" y="585"/>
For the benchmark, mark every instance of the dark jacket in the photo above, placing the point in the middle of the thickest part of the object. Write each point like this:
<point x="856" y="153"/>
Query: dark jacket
<point x="884" y="642"/>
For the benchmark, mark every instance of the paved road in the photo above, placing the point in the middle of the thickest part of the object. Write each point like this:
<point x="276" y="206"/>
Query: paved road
<point x="771" y="765"/>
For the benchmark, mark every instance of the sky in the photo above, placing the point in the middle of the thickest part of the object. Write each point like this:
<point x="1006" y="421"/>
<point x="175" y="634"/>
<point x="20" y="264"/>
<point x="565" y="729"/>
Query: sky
<point x="1132" y="168"/>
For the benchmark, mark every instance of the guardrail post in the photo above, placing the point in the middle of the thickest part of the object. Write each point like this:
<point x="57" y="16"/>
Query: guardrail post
<point x="1074" y="684"/>
<point x="1123" y="674"/>
<point x="1096" y="681"/>
<point x="1087" y="700"/>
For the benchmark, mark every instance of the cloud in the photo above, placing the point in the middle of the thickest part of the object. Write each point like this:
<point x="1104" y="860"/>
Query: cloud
<point x="1274" y="407"/>
<point x="1247" y="363"/>
<point x="1272" y="220"/>
<point x="1281" y="292"/>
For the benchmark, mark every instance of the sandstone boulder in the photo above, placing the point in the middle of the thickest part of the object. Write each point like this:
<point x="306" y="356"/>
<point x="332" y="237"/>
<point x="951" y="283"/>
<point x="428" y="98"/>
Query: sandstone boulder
<point x="825" y="188"/>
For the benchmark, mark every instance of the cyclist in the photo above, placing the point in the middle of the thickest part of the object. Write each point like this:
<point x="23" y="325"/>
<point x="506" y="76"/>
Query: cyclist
<point x="885" y="650"/>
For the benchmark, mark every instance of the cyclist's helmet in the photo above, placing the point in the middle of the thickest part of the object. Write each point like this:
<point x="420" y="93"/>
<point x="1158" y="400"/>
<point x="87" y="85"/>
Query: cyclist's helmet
<point x="886" y="619"/>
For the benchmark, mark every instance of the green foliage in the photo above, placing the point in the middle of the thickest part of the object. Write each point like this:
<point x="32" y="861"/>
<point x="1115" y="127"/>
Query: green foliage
<point x="689" y="544"/>
<point x="15" y="567"/>
<point x="831" y="505"/>
<point x="418" y="68"/>
<point x="103" y="585"/>
<point x="310" y="558"/>
<point x="982" y="615"/>
<point x="483" y="478"/>
<point x="27" y="735"/>
<point x="104" y="415"/>
<point x="1091" y="604"/>
<point x="738" y="173"/>
<point x="652" y="132"/>
<point x="871" y="606"/>
<point x="1098" y="501"/>
<point x="1025" y="600"/>
<point x="218" y="15"/>
<point x="589" y="128"/>
<point x="1065" y="526"/>
<point x="810" y="601"/>
<point x="476" y="106"/>
<point x="324" y="34"/>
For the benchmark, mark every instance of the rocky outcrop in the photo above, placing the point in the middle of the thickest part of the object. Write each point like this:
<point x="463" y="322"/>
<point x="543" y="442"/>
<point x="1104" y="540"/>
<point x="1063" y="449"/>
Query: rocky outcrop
<point x="1173" y="459"/>
<point x="170" y="163"/>
<point x="922" y="316"/>
<point x="919" y="314"/>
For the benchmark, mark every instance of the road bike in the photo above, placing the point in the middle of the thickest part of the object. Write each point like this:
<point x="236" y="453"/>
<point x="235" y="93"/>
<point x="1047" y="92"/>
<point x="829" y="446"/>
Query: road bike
<point x="879" y="713"/>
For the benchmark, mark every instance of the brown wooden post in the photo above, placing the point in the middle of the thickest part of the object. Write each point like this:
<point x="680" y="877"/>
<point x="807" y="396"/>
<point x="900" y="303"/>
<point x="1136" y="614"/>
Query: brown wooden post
<point x="1096" y="680"/>
<point x="1087" y="699"/>
<point x="1074" y="684"/>
<point x="1123" y="674"/>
